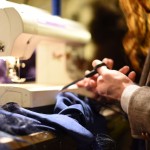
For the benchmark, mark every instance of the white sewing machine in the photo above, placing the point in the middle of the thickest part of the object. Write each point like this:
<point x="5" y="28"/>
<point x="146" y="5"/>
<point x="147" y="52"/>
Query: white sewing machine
<point x="24" y="29"/>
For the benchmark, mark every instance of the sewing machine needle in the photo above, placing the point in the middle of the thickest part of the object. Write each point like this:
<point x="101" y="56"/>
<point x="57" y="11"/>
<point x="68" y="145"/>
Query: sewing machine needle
<point x="93" y="72"/>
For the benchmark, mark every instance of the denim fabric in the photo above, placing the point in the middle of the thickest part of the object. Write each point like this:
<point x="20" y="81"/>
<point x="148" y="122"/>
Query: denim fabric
<point x="72" y="115"/>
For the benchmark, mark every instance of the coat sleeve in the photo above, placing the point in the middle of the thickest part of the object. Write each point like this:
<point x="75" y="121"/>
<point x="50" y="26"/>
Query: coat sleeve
<point x="139" y="113"/>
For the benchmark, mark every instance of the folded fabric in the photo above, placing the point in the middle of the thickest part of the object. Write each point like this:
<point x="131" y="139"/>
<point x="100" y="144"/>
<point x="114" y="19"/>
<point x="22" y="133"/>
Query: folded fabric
<point x="72" y="115"/>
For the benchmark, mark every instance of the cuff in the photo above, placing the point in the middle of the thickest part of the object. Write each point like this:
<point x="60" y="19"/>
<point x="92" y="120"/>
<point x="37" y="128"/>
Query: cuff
<point x="126" y="96"/>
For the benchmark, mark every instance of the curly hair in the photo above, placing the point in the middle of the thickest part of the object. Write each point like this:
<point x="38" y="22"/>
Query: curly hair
<point x="137" y="39"/>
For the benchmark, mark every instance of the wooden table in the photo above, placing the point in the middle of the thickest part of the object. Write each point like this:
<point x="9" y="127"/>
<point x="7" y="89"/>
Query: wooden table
<point x="41" y="141"/>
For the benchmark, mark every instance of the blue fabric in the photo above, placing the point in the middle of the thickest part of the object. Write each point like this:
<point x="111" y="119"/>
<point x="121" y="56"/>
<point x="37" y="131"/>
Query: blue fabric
<point x="72" y="115"/>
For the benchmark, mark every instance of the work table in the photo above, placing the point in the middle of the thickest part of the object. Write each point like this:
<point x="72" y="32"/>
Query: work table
<point x="40" y="141"/>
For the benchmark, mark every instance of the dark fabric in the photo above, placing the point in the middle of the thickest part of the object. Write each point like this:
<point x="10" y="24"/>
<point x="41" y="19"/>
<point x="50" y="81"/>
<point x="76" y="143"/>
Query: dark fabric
<point x="71" y="105"/>
<point x="3" y="74"/>
<point x="29" y="71"/>
<point x="72" y="116"/>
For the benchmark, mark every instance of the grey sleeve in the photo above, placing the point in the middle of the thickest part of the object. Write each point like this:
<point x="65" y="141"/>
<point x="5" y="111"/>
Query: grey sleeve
<point x="139" y="112"/>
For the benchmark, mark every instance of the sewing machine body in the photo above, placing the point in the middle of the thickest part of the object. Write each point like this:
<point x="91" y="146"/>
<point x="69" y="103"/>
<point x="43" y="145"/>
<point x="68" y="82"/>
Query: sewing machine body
<point x="25" y="29"/>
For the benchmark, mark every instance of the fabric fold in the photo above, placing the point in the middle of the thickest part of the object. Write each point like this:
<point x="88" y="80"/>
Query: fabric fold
<point x="72" y="115"/>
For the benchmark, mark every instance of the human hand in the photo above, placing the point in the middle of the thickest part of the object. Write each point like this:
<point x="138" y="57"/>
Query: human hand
<point x="109" y="83"/>
<point x="91" y="83"/>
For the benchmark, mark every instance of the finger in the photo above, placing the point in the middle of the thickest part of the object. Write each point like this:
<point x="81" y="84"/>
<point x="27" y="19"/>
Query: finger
<point x="83" y="83"/>
<point x="92" y="83"/>
<point x="124" y="69"/>
<point x="80" y="83"/>
<point x="101" y="70"/>
<point x="86" y="72"/>
<point x="96" y="62"/>
<point x="100" y="87"/>
<point x="132" y="75"/>
<point x="109" y="62"/>
<point x="86" y="82"/>
<point x="94" y="76"/>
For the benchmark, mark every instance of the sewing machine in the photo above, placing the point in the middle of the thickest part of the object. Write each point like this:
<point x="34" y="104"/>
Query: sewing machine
<point x="24" y="29"/>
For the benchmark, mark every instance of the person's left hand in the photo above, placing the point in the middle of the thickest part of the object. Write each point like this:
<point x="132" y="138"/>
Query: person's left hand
<point x="91" y="83"/>
<point x="97" y="87"/>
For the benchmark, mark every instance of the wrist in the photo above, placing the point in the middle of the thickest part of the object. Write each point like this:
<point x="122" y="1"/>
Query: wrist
<point x="126" y="96"/>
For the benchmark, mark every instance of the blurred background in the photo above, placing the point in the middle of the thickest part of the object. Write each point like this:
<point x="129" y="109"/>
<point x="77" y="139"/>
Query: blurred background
<point x="105" y="21"/>
<point x="103" y="18"/>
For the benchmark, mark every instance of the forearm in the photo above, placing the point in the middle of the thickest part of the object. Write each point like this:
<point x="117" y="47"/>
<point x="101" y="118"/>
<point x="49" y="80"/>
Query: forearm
<point x="138" y="109"/>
